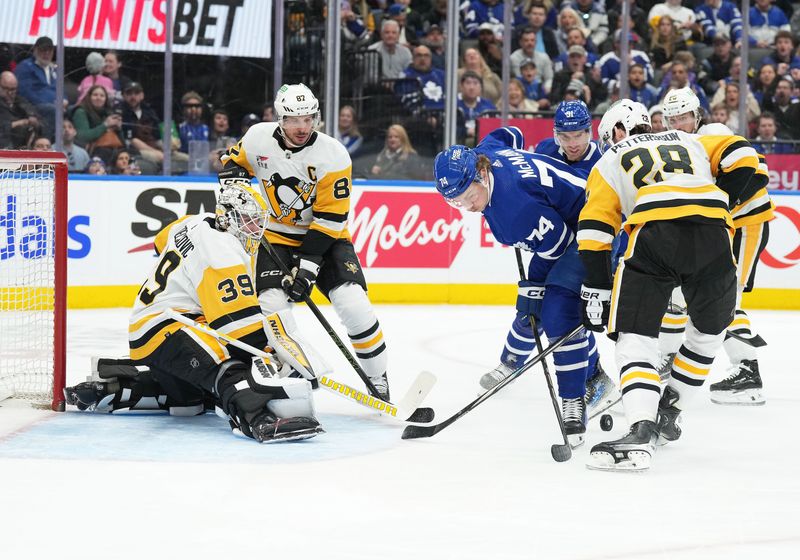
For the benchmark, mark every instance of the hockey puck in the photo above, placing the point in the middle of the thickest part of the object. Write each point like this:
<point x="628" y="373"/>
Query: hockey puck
<point x="606" y="422"/>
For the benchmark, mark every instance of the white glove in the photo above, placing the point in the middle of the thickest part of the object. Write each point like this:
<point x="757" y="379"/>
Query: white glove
<point x="596" y="307"/>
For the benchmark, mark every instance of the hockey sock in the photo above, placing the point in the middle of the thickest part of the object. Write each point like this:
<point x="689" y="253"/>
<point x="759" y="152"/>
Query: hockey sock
<point x="693" y="362"/>
<point x="572" y="366"/>
<point x="519" y="342"/>
<point x="640" y="383"/>
<point x="736" y="349"/>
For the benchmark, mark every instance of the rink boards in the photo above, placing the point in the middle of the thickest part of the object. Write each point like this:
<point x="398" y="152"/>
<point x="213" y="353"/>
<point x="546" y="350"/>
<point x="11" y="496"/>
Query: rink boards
<point x="413" y="246"/>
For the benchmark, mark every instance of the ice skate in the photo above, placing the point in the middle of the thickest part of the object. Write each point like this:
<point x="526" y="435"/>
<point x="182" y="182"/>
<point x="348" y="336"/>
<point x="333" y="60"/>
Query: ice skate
<point x="601" y="392"/>
<point x="91" y="396"/>
<point x="742" y="386"/>
<point x="489" y="380"/>
<point x="574" y="413"/>
<point x="381" y="384"/>
<point x="669" y="415"/>
<point x="266" y="428"/>
<point x="631" y="453"/>
<point x="665" y="367"/>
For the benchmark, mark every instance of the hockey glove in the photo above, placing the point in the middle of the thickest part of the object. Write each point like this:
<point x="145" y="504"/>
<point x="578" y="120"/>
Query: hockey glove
<point x="234" y="175"/>
<point x="298" y="285"/>
<point x="529" y="298"/>
<point x="596" y="307"/>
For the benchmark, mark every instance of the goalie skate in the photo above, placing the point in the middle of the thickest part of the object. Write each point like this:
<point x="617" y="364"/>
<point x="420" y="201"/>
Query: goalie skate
<point x="90" y="396"/>
<point x="601" y="392"/>
<point x="742" y="387"/>
<point x="631" y="453"/>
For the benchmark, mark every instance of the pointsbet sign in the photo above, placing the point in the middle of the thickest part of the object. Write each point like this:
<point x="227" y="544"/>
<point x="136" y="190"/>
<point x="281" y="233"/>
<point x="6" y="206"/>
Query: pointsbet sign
<point x="212" y="27"/>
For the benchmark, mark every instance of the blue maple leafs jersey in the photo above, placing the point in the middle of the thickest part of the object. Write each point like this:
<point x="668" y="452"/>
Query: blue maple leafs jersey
<point x="549" y="147"/>
<point x="534" y="201"/>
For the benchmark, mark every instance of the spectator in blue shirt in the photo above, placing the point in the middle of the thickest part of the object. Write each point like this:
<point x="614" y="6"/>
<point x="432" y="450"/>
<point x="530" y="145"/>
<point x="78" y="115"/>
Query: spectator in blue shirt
<point x="534" y="89"/>
<point x="767" y="142"/>
<point x="640" y="90"/>
<point x="192" y="128"/>
<point x="766" y="21"/>
<point x="431" y="80"/>
<point x="471" y="105"/>
<point x="720" y="16"/>
<point x="37" y="82"/>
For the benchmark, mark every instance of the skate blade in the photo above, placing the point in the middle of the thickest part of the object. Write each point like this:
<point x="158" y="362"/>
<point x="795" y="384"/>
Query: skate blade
<point x="742" y="398"/>
<point x="576" y="440"/>
<point x="295" y="436"/>
<point x="605" y="405"/>
<point x="636" y="462"/>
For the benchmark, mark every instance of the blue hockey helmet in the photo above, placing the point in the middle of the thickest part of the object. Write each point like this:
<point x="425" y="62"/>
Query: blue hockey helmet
<point x="455" y="169"/>
<point x="571" y="116"/>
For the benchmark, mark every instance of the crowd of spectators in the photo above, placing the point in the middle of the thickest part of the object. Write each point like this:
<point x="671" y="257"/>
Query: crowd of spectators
<point x="560" y="50"/>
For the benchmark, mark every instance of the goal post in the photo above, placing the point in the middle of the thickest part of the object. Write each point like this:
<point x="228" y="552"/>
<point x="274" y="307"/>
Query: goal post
<point x="33" y="276"/>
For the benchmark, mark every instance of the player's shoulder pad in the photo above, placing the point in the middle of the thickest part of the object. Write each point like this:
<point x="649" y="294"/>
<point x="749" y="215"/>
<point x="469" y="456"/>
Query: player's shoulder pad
<point x="715" y="129"/>
<point x="504" y="137"/>
<point x="336" y="154"/>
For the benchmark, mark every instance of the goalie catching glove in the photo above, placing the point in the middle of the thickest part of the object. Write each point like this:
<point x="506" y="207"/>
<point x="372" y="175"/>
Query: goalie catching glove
<point x="299" y="283"/>
<point x="596" y="307"/>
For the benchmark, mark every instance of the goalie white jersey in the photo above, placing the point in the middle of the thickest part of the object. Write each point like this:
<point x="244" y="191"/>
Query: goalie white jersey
<point x="307" y="188"/>
<point x="202" y="273"/>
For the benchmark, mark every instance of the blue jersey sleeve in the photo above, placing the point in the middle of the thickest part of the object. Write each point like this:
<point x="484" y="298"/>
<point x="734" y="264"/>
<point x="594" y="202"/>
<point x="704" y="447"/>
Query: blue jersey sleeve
<point x="505" y="137"/>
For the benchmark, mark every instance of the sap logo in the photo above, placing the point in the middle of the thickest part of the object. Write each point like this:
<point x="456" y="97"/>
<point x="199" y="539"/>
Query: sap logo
<point x="154" y="204"/>
<point x="31" y="236"/>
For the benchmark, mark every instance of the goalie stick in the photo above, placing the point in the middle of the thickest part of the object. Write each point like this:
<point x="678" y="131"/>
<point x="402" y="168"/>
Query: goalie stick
<point x="560" y="452"/>
<point x="413" y="432"/>
<point x="405" y="410"/>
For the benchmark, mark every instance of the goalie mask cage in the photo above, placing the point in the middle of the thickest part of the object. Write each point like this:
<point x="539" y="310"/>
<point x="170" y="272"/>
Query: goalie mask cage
<point x="33" y="277"/>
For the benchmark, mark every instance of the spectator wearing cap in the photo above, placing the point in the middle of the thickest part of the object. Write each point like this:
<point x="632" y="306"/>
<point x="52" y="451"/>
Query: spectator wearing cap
<point x="720" y="16"/>
<point x="475" y="13"/>
<point x="609" y="63"/>
<point x="684" y="18"/>
<point x="395" y="57"/>
<point x="192" y="129"/>
<point x="247" y="121"/>
<point x="527" y="51"/>
<point x="766" y="21"/>
<point x="665" y="42"/>
<point x="575" y="37"/>
<point x="37" y="82"/>
<point x="96" y="166"/>
<point x="94" y="66"/>
<point x="490" y="47"/>
<point x="399" y="13"/>
<point x="472" y="60"/>
<point x="111" y="69"/>
<point x="545" y="37"/>
<point x="594" y="18"/>
<point x="783" y="57"/>
<point x="534" y="90"/>
<point x="639" y="89"/>
<point x="767" y="141"/>
<point x="717" y="66"/>
<point x="434" y="40"/>
<point x="141" y="128"/>
<point x="576" y="74"/>
<point x="470" y="105"/>
<point x="19" y="121"/>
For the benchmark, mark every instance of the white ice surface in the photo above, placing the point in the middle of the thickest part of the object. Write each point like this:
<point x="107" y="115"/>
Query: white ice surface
<point x="77" y="485"/>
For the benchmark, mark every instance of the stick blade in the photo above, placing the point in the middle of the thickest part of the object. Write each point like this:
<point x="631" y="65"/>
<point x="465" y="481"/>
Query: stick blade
<point x="422" y="415"/>
<point x="415" y="432"/>
<point x="561" y="452"/>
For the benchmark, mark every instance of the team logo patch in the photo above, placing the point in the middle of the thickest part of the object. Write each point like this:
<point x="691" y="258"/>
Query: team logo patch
<point x="194" y="362"/>
<point x="261" y="161"/>
<point x="288" y="198"/>
<point x="351" y="266"/>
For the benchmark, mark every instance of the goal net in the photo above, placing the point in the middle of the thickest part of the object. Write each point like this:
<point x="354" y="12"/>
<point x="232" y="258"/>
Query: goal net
<point x="33" y="245"/>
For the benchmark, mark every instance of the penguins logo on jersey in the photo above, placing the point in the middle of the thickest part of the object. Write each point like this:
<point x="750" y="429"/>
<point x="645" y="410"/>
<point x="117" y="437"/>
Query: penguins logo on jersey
<point x="351" y="266"/>
<point x="288" y="198"/>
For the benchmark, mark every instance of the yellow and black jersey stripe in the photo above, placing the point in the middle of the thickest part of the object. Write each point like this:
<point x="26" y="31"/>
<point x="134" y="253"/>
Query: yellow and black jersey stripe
<point x="758" y="208"/>
<point x="734" y="163"/>
<point x="601" y="217"/>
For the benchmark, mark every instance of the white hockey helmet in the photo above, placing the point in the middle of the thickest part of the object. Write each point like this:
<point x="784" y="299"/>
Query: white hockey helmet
<point x="242" y="212"/>
<point x="637" y="115"/>
<point x="614" y="116"/>
<point x="681" y="101"/>
<point x="296" y="100"/>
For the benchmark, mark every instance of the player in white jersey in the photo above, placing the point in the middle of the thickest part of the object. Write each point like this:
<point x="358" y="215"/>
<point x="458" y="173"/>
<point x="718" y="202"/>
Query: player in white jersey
<point x="205" y="272"/>
<point x="751" y="220"/>
<point x="306" y="177"/>
<point x="674" y="189"/>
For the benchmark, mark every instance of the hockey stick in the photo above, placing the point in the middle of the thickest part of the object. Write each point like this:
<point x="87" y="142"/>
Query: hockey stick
<point x="423" y="414"/>
<point x="755" y="341"/>
<point x="560" y="452"/>
<point x="414" y="432"/>
<point x="404" y="411"/>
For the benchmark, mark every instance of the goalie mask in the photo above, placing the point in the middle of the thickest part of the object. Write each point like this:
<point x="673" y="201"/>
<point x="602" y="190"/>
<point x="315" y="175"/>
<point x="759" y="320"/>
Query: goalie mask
<point x="292" y="103"/>
<point x="242" y="212"/>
